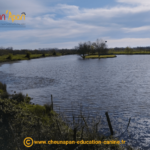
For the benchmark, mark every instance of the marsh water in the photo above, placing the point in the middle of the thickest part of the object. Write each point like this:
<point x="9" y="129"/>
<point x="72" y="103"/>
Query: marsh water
<point x="118" y="85"/>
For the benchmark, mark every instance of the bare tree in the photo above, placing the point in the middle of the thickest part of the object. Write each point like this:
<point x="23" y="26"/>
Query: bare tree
<point x="82" y="49"/>
<point x="93" y="47"/>
<point x="89" y="44"/>
<point x="100" y="46"/>
<point x="87" y="47"/>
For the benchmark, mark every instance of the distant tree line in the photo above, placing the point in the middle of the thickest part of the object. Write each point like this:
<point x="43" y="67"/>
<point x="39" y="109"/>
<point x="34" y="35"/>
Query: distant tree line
<point x="129" y="50"/>
<point x="6" y="51"/>
<point x="99" y="47"/>
<point x="134" y="48"/>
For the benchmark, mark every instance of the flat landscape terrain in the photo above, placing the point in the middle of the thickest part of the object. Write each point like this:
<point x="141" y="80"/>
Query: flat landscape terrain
<point x="4" y="58"/>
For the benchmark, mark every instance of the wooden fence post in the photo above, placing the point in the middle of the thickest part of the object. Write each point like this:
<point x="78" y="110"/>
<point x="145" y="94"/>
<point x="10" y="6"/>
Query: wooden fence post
<point x="74" y="135"/>
<point x="38" y="128"/>
<point x="109" y="123"/>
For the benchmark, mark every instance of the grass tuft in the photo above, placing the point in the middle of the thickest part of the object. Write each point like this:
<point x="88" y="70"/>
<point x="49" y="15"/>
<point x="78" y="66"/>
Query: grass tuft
<point x="48" y="108"/>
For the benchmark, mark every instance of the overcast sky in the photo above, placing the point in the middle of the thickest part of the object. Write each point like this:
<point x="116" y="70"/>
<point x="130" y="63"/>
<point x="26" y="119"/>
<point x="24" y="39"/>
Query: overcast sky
<point x="65" y="23"/>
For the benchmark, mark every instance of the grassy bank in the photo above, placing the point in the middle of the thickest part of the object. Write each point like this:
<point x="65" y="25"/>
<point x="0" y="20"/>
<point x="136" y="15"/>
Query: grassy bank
<point x="101" y="56"/>
<point x="20" y="119"/>
<point x="128" y="53"/>
<point x="10" y="57"/>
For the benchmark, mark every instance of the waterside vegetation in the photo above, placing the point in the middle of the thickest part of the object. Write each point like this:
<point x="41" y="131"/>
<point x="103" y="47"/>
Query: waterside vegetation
<point x="129" y="51"/>
<point x="102" y="56"/>
<point x="96" y="49"/>
<point x="27" y="56"/>
<point x="20" y="119"/>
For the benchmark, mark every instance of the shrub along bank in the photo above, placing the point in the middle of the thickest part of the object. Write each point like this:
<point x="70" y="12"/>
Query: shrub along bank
<point x="20" y="119"/>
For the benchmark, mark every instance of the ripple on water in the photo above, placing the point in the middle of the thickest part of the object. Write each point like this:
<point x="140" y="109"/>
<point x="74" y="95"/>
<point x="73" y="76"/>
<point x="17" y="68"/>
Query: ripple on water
<point x="120" y="86"/>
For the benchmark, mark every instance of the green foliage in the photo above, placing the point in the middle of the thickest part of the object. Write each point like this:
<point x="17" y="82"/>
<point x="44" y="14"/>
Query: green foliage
<point x="10" y="57"/>
<point x="4" y="58"/>
<point x="38" y="110"/>
<point x="88" y="47"/>
<point x="28" y="55"/>
<point x="18" y="97"/>
<point x="4" y="95"/>
<point x="110" y="51"/>
<point x="21" y="98"/>
<point x="128" y="50"/>
<point x="58" y="54"/>
<point x="54" y="53"/>
<point x="3" y="87"/>
<point x="48" y="108"/>
<point x="28" y="120"/>
<point x="44" y="55"/>
<point x="83" y="49"/>
<point x="27" y="99"/>
<point x="1" y="91"/>
<point x="100" y="46"/>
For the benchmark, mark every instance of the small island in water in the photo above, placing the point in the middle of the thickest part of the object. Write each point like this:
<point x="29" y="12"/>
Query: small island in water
<point x="102" y="56"/>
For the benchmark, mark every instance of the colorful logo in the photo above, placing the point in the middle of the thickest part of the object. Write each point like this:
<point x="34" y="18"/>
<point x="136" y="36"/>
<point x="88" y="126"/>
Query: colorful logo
<point x="13" y="17"/>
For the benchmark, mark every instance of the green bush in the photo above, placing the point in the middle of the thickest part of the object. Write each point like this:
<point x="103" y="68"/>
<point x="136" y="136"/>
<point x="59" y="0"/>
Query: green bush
<point x="54" y="53"/>
<point x="43" y="54"/>
<point x="29" y="120"/>
<point x="3" y="87"/>
<point x="10" y="57"/>
<point x="27" y="99"/>
<point x="18" y="97"/>
<point x="1" y="91"/>
<point x="38" y="110"/>
<point x="28" y="55"/>
<point x="128" y="50"/>
<point x="4" y="95"/>
<point x="48" y="108"/>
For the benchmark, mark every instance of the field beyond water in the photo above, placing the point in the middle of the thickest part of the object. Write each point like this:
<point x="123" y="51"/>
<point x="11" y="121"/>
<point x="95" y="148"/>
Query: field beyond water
<point x="128" y="53"/>
<point x="4" y="58"/>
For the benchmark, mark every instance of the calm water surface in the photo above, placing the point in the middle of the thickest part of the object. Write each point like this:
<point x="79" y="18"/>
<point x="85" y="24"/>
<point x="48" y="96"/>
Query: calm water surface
<point x="118" y="85"/>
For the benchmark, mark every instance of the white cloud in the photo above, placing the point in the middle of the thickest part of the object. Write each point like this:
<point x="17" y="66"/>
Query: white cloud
<point x="73" y="29"/>
<point x="132" y="42"/>
<point x="61" y="33"/>
<point x="67" y="9"/>
<point x="144" y="2"/>
<point x="66" y="23"/>
<point x="30" y="7"/>
<point x="107" y="13"/>
<point x="138" y="29"/>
